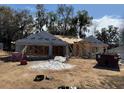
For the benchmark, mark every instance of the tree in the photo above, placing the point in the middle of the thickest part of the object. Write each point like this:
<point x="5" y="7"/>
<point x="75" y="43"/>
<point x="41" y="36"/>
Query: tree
<point x="108" y="35"/>
<point x="65" y="14"/>
<point x="74" y="27"/>
<point x="41" y="18"/>
<point x="52" y="22"/>
<point x="84" y="20"/>
<point x="7" y="27"/>
<point x="12" y="25"/>
<point x="24" y="23"/>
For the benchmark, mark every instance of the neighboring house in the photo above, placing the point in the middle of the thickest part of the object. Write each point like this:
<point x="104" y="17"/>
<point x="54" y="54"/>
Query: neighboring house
<point x="119" y="50"/>
<point x="88" y="47"/>
<point x="1" y="46"/>
<point x="42" y="44"/>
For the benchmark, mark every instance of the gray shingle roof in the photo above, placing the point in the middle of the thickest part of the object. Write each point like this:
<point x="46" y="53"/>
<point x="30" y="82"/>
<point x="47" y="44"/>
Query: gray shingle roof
<point x="40" y="38"/>
<point x="93" y="40"/>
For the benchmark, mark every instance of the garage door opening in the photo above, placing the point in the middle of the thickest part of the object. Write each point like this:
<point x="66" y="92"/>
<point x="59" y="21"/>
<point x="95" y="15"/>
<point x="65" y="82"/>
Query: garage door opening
<point x="58" y="51"/>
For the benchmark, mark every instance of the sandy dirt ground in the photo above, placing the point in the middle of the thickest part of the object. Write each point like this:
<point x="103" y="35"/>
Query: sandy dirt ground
<point x="83" y="75"/>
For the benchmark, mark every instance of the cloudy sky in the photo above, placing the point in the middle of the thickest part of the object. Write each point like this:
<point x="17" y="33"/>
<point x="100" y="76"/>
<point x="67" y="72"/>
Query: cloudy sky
<point x="104" y="22"/>
<point x="104" y="15"/>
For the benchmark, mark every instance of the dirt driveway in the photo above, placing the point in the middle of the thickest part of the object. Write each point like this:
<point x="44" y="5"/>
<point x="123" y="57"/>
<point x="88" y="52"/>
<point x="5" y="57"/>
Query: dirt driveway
<point x="83" y="75"/>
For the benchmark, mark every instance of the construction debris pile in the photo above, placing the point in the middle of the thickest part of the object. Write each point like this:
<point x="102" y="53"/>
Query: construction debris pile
<point x="56" y="64"/>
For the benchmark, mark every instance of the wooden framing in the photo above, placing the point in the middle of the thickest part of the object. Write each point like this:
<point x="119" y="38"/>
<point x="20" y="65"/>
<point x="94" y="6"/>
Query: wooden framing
<point x="46" y="51"/>
<point x="37" y="50"/>
<point x="86" y="49"/>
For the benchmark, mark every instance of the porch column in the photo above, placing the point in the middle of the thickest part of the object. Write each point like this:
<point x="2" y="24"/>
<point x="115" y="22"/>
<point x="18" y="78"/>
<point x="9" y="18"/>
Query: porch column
<point x="50" y="51"/>
<point x="66" y="51"/>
